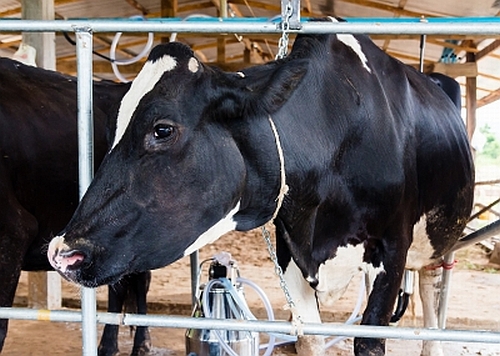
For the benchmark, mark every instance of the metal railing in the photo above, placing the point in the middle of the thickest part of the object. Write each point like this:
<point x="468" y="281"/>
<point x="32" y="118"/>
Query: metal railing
<point x="84" y="30"/>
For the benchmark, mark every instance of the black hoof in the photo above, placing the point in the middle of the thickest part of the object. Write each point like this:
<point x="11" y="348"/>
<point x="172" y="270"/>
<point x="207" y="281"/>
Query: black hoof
<point x="369" y="347"/>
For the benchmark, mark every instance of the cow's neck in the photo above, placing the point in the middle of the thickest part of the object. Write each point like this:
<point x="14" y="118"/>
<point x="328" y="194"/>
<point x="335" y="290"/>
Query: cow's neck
<point x="266" y="176"/>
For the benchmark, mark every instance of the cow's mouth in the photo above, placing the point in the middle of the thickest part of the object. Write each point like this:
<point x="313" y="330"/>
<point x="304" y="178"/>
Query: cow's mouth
<point x="76" y="265"/>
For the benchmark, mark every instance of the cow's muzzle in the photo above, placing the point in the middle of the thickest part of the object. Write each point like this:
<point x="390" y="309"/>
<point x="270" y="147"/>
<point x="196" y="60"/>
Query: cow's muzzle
<point x="62" y="258"/>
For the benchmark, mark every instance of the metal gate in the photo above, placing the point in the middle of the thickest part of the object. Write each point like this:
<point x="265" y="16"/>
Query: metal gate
<point x="84" y="30"/>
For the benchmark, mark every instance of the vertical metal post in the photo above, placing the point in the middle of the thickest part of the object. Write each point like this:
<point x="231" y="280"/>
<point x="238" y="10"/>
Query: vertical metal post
<point x="86" y="170"/>
<point x="422" y="54"/>
<point x="195" y="273"/>
<point x="448" y="260"/>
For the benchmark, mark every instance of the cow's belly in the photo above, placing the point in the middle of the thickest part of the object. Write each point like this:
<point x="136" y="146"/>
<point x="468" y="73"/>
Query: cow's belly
<point x="421" y="250"/>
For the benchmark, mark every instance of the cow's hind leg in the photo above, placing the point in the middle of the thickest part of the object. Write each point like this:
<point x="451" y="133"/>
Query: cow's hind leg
<point x="388" y="260"/>
<point x="429" y="285"/>
<point x="304" y="298"/>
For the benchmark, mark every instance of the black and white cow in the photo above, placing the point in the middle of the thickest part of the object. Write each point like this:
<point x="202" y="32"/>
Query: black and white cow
<point x="38" y="177"/>
<point x="353" y="155"/>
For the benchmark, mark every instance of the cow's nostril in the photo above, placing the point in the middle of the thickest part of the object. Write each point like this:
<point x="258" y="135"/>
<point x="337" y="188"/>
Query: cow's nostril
<point x="73" y="259"/>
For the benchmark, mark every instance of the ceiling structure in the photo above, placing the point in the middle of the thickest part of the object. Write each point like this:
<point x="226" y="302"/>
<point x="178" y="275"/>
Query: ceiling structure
<point x="458" y="56"/>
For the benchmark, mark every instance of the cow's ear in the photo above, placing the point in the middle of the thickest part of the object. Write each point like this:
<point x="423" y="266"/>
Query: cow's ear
<point x="272" y="91"/>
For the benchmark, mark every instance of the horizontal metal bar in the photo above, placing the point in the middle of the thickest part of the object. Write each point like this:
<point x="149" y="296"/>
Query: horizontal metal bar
<point x="479" y="235"/>
<point x="414" y="26"/>
<point x="257" y="326"/>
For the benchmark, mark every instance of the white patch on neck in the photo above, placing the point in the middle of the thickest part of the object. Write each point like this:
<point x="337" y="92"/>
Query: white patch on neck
<point x="145" y="81"/>
<point x="193" y="65"/>
<point x="225" y="225"/>
<point x="351" y="41"/>
<point x="421" y="249"/>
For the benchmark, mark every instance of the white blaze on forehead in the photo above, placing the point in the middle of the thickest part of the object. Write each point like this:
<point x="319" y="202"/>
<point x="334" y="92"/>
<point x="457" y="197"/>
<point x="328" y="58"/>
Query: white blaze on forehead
<point x="225" y="225"/>
<point x="145" y="81"/>
<point x="351" y="41"/>
<point x="421" y="250"/>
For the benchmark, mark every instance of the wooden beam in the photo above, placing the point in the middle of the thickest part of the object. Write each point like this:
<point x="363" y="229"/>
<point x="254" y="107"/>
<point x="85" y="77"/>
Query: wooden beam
<point x="471" y="98"/>
<point x="389" y="8"/>
<point x="18" y="9"/>
<point x="468" y="69"/>
<point x="44" y="288"/>
<point x="490" y="98"/>
<point x="99" y="66"/>
<point x="169" y="8"/>
<point x="195" y="6"/>
<point x="43" y="42"/>
<point x="488" y="49"/>
<point x="258" y="4"/>
<point x="458" y="47"/>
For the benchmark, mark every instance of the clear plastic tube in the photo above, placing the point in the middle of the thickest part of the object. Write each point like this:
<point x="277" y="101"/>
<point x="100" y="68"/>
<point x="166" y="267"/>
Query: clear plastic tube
<point x="208" y="313"/>
<point x="354" y="315"/>
<point x="112" y="53"/>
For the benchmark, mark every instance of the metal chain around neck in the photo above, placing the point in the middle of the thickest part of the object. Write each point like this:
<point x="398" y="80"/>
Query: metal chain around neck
<point x="285" y="27"/>
<point x="296" y="319"/>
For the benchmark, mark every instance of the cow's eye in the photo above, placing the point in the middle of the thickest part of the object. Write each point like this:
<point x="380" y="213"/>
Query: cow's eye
<point x="162" y="131"/>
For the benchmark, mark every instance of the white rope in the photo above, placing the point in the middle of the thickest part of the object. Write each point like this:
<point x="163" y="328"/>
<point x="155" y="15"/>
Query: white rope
<point x="297" y="324"/>
<point x="284" y="187"/>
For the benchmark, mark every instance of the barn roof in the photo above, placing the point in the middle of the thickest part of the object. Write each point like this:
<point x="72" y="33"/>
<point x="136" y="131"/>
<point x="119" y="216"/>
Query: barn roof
<point x="445" y="53"/>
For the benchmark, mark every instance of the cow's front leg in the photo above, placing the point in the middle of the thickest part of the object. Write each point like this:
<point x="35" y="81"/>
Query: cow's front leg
<point x="388" y="260"/>
<point x="142" y="340"/>
<point x="109" y="339"/>
<point x="430" y="286"/>
<point x="304" y="298"/>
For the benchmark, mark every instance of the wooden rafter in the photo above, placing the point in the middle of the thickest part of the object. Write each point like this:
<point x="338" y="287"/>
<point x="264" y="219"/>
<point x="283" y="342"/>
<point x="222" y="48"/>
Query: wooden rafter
<point x="488" y="49"/>
<point x="490" y="98"/>
<point x="394" y="9"/>
<point x="458" y="47"/>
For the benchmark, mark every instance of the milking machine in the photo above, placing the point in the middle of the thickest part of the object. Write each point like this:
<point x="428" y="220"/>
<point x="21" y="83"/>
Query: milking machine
<point x="222" y="297"/>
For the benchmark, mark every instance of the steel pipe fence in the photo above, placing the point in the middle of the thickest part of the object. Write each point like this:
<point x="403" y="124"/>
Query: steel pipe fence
<point x="84" y="30"/>
<point x="281" y="327"/>
<point x="372" y="26"/>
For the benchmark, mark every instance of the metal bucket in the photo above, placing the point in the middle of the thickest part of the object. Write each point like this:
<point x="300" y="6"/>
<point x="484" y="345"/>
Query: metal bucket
<point x="223" y="306"/>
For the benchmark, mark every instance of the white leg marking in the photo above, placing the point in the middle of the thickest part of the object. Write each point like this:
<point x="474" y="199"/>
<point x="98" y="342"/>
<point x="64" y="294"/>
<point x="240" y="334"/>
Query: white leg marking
<point x="302" y="293"/>
<point x="351" y="41"/>
<point x="303" y="296"/>
<point x="421" y="249"/>
<point x="145" y="81"/>
<point x="429" y="285"/>
<point x="225" y="225"/>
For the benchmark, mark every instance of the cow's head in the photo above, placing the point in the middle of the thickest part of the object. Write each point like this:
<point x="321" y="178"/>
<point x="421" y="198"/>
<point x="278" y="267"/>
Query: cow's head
<point x="189" y="145"/>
